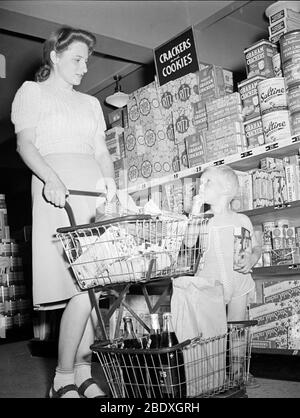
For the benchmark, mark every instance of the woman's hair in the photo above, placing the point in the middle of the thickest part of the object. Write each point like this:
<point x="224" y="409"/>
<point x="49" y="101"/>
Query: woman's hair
<point x="59" y="41"/>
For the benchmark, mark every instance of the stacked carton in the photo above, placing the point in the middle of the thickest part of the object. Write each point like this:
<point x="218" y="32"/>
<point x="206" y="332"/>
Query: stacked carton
<point x="278" y="316"/>
<point x="149" y="138"/>
<point x="15" y="305"/>
<point x="225" y="134"/>
<point x="283" y="17"/>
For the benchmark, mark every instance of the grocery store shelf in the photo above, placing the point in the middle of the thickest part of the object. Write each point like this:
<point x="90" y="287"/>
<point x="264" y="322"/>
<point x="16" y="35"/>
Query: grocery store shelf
<point x="243" y="161"/>
<point x="281" y="351"/>
<point x="268" y="209"/>
<point x="283" y="270"/>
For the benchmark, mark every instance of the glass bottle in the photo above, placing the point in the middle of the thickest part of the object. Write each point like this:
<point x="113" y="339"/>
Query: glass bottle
<point x="152" y="358"/>
<point x="154" y="338"/>
<point x="132" y="364"/>
<point x="129" y="337"/>
<point x="172" y="373"/>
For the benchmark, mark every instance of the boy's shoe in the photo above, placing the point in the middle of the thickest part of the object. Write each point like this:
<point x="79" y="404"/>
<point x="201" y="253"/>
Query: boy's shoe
<point x="252" y="382"/>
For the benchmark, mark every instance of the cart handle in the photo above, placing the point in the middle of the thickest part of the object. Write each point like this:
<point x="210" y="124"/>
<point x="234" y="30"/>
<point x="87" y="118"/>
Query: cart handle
<point x="74" y="227"/>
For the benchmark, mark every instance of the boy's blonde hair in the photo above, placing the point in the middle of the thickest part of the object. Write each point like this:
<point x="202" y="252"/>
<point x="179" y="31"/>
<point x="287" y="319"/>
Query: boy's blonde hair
<point x="228" y="177"/>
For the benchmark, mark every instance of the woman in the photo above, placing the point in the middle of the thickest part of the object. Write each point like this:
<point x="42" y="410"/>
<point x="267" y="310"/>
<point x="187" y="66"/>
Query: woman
<point x="60" y="136"/>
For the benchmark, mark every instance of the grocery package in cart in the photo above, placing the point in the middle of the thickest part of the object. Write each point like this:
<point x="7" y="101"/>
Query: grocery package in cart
<point x="134" y="248"/>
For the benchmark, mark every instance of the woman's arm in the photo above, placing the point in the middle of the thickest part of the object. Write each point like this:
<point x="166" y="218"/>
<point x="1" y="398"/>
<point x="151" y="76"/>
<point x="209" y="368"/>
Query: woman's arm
<point x="54" y="190"/>
<point x="105" y="162"/>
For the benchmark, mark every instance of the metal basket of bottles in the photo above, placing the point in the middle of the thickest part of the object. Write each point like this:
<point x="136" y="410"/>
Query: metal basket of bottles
<point x="158" y="366"/>
<point x="134" y="248"/>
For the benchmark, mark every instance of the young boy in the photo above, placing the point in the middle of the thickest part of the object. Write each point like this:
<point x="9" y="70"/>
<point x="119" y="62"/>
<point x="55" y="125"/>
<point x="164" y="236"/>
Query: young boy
<point x="218" y="186"/>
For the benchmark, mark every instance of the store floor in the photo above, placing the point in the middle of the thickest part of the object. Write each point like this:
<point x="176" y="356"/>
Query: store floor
<point x="25" y="376"/>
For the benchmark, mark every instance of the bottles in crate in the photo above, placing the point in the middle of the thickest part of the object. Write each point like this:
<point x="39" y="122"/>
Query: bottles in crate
<point x="133" y="365"/>
<point x="152" y="359"/>
<point x="172" y="380"/>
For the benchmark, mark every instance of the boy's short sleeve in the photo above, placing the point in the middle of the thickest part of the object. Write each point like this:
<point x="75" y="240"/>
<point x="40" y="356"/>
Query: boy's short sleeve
<point x="26" y="107"/>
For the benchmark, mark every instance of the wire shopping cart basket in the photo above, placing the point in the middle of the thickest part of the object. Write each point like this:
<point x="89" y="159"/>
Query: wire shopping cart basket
<point x="134" y="248"/>
<point x="214" y="367"/>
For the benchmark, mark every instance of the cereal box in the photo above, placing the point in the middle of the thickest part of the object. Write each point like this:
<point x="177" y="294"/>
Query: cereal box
<point x="114" y="139"/>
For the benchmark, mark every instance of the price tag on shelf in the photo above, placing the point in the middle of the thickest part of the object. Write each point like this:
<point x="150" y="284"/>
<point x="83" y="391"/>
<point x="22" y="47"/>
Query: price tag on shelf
<point x="295" y="139"/>
<point x="175" y="176"/>
<point x="246" y="154"/>
<point x="219" y="162"/>
<point x="282" y="206"/>
<point x="272" y="146"/>
<point x="198" y="169"/>
<point x="295" y="352"/>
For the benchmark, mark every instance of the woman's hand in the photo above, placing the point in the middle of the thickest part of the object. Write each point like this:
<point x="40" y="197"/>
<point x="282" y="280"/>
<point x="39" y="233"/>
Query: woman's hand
<point x="55" y="191"/>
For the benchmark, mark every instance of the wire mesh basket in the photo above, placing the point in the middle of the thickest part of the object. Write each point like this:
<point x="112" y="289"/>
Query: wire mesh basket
<point x="134" y="249"/>
<point x="195" y="368"/>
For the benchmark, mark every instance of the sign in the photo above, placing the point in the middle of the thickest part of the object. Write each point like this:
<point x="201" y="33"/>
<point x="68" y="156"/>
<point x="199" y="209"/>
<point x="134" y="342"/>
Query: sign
<point x="176" y="58"/>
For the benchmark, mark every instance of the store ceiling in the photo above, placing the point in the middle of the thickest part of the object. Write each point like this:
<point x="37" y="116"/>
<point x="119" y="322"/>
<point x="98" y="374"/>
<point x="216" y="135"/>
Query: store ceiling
<point x="126" y="34"/>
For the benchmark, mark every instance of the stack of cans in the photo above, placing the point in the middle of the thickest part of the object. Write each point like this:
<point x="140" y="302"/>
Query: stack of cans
<point x="290" y="58"/>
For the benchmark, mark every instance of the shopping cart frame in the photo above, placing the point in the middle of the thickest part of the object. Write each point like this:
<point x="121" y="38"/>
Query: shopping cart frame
<point x="119" y="290"/>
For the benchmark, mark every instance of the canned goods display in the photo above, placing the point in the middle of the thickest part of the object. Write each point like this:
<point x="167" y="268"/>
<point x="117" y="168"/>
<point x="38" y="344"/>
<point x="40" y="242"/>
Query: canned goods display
<point x="2" y="308"/>
<point x="291" y="72"/>
<point x="10" y="307"/>
<point x="276" y="126"/>
<point x="293" y="96"/>
<point x="290" y="45"/>
<point x="295" y="123"/>
<point x="272" y="94"/>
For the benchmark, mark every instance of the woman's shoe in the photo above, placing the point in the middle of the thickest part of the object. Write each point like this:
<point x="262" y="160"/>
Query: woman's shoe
<point x="86" y="384"/>
<point x="62" y="391"/>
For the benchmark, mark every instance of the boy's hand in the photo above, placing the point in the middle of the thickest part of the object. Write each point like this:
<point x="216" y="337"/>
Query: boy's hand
<point x="246" y="263"/>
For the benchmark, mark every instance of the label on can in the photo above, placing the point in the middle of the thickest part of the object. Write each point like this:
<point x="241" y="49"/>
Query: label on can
<point x="249" y="95"/>
<point x="293" y="96"/>
<point x="291" y="72"/>
<point x="290" y="45"/>
<point x="272" y="94"/>
<point x="295" y="123"/>
<point x="276" y="126"/>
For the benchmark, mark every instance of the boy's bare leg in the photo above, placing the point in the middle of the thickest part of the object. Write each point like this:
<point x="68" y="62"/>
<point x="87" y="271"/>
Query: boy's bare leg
<point x="237" y="311"/>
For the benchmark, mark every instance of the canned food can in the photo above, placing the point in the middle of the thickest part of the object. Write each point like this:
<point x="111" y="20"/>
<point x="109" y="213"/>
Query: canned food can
<point x="293" y="96"/>
<point x="272" y="94"/>
<point x="291" y="72"/>
<point x="276" y="126"/>
<point x="276" y="61"/>
<point x="290" y="45"/>
<point x="295" y="123"/>
<point x="2" y="308"/>
<point x="277" y="238"/>
<point x="267" y="260"/>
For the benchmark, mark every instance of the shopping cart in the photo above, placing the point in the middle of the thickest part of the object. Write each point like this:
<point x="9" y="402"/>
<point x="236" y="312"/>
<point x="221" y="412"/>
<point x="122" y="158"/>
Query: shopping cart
<point x="214" y="367"/>
<point x="109" y="256"/>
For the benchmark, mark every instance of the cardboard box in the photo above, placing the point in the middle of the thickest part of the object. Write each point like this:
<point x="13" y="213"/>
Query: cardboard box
<point x="115" y="143"/>
<point x="254" y="132"/>
<point x="249" y="96"/>
<point x="242" y="245"/>
<point x="244" y="198"/>
<point x="259" y="58"/>
<point x="195" y="149"/>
